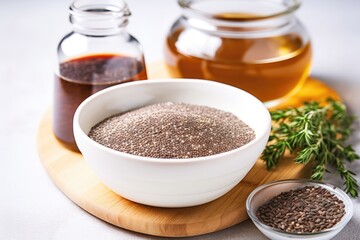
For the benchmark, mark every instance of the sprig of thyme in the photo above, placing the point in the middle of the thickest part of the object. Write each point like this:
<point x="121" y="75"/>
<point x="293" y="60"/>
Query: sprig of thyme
<point x="316" y="134"/>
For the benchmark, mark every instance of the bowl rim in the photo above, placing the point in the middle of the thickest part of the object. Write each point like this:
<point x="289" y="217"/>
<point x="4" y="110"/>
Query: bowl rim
<point x="258" y="137"/>
<point x="333" y="189"/>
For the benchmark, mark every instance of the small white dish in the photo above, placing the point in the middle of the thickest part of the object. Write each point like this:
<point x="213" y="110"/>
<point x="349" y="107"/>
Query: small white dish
<point x="264" y="193"/>
<point x="171" y="182"/>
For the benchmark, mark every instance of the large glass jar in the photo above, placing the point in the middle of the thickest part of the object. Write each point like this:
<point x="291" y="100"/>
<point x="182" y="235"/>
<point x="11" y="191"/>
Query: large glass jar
<point x="97" y="54"/>
<point x="255" y="45"/>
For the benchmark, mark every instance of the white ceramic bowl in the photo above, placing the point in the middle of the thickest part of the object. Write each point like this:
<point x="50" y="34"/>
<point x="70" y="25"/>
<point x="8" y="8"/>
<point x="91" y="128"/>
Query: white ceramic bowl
<point x="264" y="193"/>
<point x="171" y="182"/>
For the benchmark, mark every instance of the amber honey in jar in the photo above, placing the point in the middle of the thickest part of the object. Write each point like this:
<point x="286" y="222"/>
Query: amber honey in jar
<point x="256" y="45"/>
<point x="99" y="53"/>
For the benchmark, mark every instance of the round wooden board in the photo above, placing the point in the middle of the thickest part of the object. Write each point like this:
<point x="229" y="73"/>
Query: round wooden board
<point x="75" y="179"/>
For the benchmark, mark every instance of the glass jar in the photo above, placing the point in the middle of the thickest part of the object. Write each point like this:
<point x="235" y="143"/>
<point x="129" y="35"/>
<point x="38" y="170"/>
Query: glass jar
<point x="256" y="45"/>
<point x="97" y="54"/>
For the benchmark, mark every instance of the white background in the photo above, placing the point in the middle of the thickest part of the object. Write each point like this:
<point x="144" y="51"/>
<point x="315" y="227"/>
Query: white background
<point x="31" y="207"/>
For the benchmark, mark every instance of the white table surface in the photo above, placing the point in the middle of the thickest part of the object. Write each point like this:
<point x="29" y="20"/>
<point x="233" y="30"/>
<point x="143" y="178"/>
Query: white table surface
<point x="31" y="207"/>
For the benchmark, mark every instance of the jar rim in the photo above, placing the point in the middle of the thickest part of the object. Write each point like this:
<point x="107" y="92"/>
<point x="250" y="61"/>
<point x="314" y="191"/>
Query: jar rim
<point x="99" y="17"/>
<point x="289" y="7"/>
<point x="116" y="8"/>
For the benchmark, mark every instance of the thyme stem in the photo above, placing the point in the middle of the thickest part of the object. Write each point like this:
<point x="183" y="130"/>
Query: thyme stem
<point x="317" y="134"/>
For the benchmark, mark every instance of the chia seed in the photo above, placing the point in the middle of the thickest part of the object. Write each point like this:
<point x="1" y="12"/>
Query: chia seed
<point x="173" y="130"/>
<point x="305" y="210"/>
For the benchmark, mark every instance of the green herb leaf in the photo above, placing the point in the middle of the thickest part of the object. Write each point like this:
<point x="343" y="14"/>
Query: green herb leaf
<point x="317" y="134"/>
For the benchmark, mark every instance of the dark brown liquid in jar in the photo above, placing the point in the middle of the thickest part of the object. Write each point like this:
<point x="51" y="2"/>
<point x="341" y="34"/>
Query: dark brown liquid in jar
<point x="81" y="77"/>
<point x="268" y="67"/>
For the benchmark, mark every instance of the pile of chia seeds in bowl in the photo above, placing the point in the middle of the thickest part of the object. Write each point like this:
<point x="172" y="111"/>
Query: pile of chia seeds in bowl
<point x="173" y="130"/>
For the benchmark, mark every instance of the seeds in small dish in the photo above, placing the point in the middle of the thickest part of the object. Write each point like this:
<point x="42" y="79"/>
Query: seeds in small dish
<point x="308" y="209"/>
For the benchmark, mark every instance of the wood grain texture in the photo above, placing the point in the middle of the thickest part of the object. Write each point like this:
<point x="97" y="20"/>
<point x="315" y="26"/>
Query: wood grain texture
<point x="75" y="179"/>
